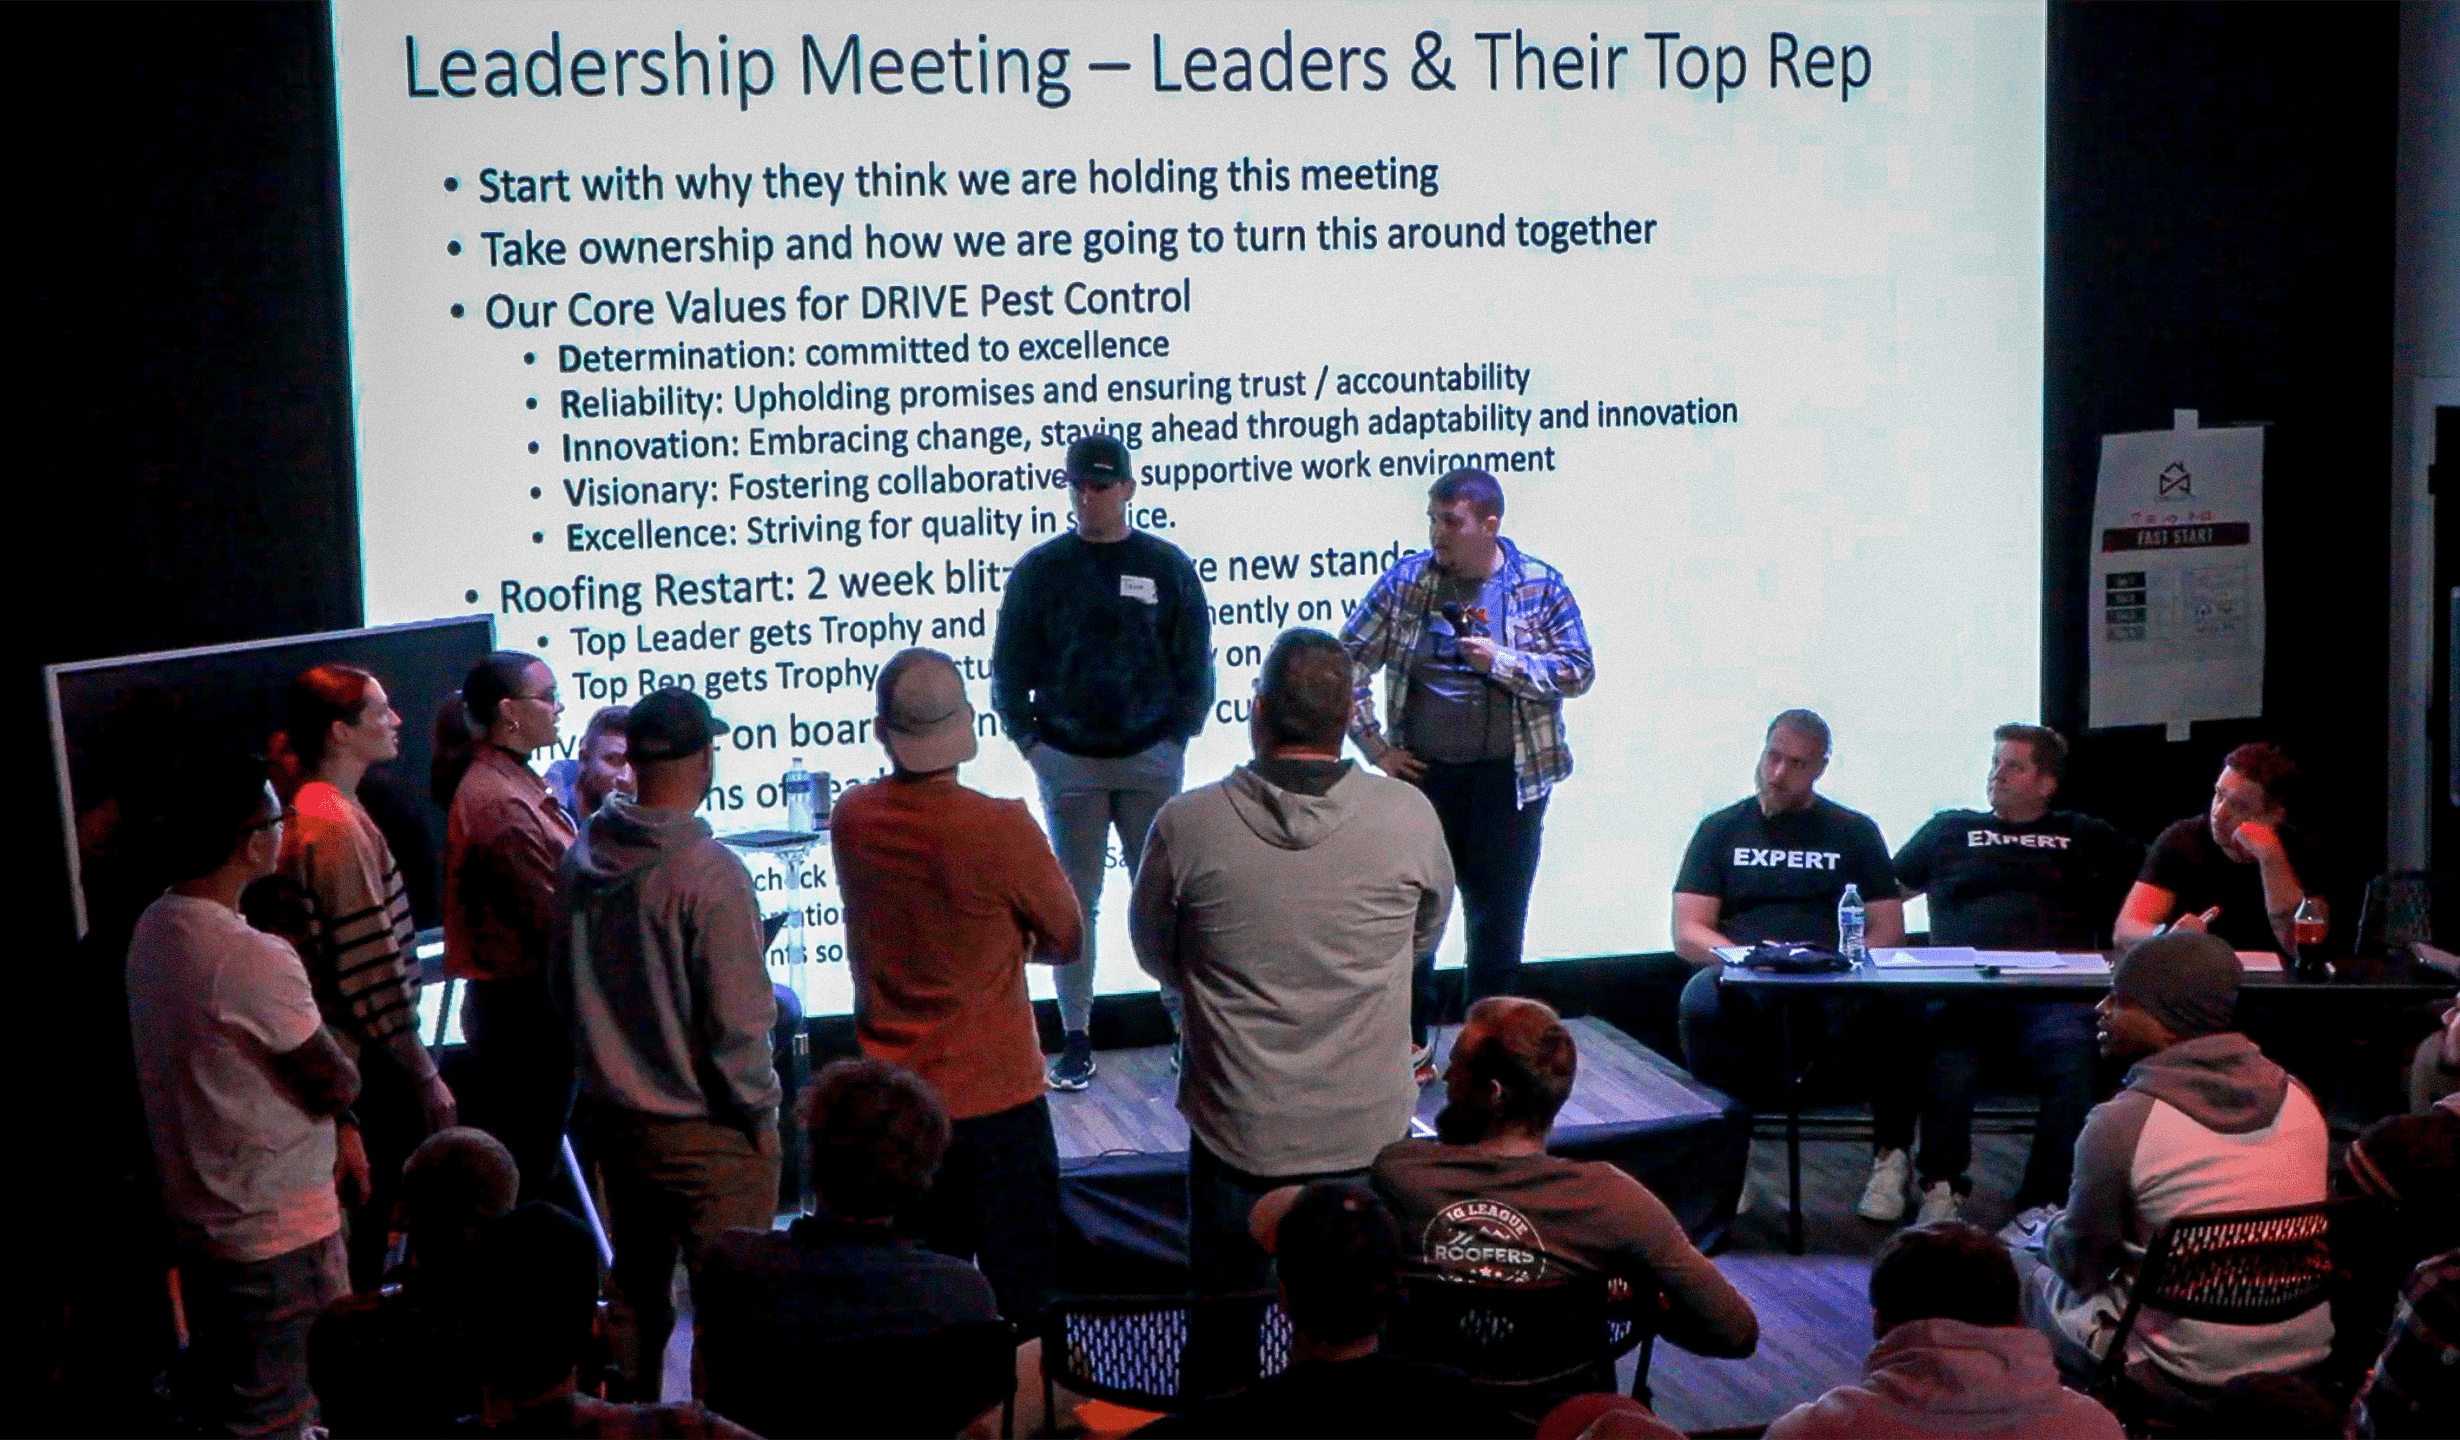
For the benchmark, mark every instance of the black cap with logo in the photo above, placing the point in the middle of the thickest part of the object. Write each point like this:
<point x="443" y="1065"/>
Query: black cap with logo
<point x="1099" y="459"/>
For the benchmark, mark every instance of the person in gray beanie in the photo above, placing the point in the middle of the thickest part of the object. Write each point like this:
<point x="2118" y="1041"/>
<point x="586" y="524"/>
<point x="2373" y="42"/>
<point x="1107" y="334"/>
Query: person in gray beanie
<point x="2202" y="1123"/>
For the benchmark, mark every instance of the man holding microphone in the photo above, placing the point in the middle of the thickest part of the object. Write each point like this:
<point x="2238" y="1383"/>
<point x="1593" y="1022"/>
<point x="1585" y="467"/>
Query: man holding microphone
<point x="1480" y="645"/>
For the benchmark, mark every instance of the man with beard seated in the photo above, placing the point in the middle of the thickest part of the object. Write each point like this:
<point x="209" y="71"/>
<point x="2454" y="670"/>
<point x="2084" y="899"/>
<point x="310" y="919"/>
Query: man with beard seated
<point x="1483" y="1199"/>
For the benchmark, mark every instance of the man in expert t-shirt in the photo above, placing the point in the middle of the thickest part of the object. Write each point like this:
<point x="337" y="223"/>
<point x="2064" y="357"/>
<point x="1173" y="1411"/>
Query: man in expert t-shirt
<point x="2017" y="876"/>
<point x="1101" y="673"/>
<point x="1773" y="867"/>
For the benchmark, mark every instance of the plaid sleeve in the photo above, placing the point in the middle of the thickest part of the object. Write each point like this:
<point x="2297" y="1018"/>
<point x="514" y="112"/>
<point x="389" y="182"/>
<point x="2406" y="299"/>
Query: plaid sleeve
<point x="2411" y="1390"/>
<point x="1555" y="663"/>
<point x="1372" y="636"/>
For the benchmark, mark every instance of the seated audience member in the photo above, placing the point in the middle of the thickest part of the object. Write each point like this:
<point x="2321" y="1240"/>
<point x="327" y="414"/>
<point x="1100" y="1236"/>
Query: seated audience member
<point x="241" y="1083"/>
<point x="2414" y="1388"/>
<point x="536" y="1308"/>
<point x="768" y="1298"/>
<point x="1597" y="1416"/>
<point x="1285" y="903"/>
<point x="2434" y="1073"/>
<point x="1486" y="1188"/>
<point x="598" y="767"/>
<point x="339" y="899"/>
<point x="1773" y="867"/>
<point x="2018" y="876"/>
<point x="2408" y="1168"/>
<point x="399" y="1361"/>
<point x="2203" y="1123"/>
<point x="2238" y="871"/>
<point x="1340" y="1260"/>
<point x="1954" y="1355"/>
<point x="948" y="893"/>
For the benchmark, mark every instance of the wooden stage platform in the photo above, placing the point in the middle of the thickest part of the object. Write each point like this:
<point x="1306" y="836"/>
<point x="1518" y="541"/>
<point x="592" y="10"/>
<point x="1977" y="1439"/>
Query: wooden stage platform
<point x="1132" y="1108"/>
<point x="1123" y="1150"/>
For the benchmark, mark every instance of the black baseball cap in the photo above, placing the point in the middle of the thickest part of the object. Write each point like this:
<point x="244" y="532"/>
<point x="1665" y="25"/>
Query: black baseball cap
<point x="669" y="724"/>
<point x="1098" y="459"/>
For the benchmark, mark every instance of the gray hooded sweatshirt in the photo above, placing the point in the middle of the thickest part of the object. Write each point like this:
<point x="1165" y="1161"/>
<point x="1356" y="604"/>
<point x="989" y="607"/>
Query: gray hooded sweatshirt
<point x="658" y="959"/>
<point x="2207" y="1125"/>
<point x="1287" y="921"/>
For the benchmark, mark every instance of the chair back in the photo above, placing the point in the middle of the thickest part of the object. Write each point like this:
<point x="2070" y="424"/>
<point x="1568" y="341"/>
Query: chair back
<point x="2238" y="1267"/>
<point x="1135" y="1349"/>
<point x="2398" y="911"/>
<point x="1531" y="1337"/>
<point x="933" y="1384"/>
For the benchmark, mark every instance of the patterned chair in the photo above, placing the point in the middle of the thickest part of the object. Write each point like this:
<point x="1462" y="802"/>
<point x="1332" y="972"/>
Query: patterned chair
<point x="1136" y="1349"/>
<point x="2238" y="1267"/>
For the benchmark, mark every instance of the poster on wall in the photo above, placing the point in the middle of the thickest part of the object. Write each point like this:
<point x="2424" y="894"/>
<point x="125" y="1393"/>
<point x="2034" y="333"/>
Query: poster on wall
<point x="2177" y="583"/>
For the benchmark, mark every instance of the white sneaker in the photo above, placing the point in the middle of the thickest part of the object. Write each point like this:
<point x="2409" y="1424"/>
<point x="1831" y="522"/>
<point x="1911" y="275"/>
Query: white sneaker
<point x="1939" y="1202"/>
<point x="1884" y="1198"/>
<point x="2026" y="1230"/>
<point x="1422" y="1069"/>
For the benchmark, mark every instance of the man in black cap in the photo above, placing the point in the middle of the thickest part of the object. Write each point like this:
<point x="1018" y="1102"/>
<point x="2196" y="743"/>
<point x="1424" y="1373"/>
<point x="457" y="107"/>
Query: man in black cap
<point x="2203" y="1123"/>
<point x="1101" y="673"/>
<point x="657" y="960"/>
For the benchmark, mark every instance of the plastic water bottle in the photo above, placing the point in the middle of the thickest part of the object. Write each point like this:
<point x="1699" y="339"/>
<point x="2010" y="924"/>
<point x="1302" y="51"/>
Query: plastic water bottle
<point x="1849" y="928"/>
<point x="798" y="797"/>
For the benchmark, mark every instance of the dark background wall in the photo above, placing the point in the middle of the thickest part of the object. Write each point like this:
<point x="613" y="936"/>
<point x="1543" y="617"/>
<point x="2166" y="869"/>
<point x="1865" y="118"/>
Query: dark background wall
<point x="2219" y="238"/>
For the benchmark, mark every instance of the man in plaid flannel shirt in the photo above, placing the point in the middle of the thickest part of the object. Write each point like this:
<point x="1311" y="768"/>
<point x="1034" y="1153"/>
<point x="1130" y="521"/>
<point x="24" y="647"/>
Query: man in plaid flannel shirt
<point x="1480" y="645"/>
<point x="2412" y="1390"/>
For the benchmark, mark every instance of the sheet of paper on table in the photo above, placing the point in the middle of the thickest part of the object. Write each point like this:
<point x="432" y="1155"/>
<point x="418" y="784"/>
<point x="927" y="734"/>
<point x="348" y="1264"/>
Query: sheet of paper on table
<point x="1927" y="957"/>
<point x="2066" y="962"/>
<point x="1964" y="957"/>
<point x="2259" y="960"/>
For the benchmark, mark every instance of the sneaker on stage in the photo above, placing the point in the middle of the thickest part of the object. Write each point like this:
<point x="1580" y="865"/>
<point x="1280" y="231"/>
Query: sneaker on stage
<point x="2025" y="1231"/>
<point x="1073" y="1068"/>
<point x="1884" y="1198"/>
<point x="1940" y="1202"/>
<point x="1422" y="1064"/>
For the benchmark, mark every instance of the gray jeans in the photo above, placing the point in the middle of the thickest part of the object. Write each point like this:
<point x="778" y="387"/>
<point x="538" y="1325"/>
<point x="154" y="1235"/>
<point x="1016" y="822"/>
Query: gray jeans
<point x="245" y="1371"/>
<point x="1084" y="800"/>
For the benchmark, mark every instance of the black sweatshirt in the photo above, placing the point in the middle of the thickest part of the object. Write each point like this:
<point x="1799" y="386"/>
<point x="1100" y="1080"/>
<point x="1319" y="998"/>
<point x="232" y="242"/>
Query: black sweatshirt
<point x="1103" y="649"/>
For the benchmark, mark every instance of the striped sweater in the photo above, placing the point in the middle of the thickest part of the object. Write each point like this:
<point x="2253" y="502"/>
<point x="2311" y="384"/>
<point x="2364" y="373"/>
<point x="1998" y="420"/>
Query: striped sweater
<point x="339" y="898"/>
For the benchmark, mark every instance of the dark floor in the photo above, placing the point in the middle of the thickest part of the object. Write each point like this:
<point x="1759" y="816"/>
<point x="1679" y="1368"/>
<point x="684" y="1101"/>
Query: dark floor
<point x="1815" y="1319"/>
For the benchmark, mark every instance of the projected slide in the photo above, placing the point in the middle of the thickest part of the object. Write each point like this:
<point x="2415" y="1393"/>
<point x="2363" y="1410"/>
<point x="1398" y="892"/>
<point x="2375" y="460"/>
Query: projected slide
<point x="738" y="346"/>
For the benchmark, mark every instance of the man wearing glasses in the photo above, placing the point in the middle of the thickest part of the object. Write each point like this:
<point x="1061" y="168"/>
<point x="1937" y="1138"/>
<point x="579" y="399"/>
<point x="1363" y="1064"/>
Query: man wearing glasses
<point x="1101" y="673"/>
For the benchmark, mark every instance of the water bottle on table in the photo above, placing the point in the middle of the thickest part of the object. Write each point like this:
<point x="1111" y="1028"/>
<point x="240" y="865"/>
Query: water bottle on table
<point x="1850" y="924"/>
<point x="798" y="787"/>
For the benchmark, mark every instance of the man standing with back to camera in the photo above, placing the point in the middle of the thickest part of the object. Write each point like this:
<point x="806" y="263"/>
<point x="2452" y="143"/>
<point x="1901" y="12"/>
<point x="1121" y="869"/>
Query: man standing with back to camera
<point x="1101" y="673"/>
<point x="1480" y="646"/>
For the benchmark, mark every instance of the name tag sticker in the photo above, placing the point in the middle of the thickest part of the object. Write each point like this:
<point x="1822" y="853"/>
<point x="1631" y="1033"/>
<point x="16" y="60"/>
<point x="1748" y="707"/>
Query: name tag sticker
<point x="1139" y="587"/>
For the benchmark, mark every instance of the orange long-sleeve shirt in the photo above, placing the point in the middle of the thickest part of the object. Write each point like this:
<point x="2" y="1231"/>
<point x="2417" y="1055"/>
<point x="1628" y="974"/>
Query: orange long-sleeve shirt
<point x="948" y="892"/>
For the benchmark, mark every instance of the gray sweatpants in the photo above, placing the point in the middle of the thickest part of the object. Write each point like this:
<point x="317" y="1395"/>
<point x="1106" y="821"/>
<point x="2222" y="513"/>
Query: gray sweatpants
<point x="1084" y="800"/>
